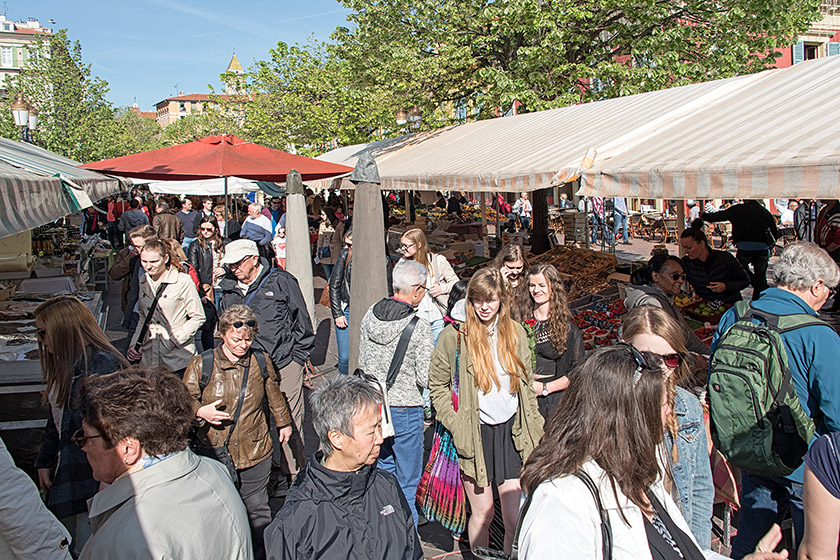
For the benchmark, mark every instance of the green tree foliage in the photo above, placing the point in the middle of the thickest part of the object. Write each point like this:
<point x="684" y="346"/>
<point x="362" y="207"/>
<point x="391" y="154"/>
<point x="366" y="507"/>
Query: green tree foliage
<point x="75" y="119"/>
<point x="550" y="53"/>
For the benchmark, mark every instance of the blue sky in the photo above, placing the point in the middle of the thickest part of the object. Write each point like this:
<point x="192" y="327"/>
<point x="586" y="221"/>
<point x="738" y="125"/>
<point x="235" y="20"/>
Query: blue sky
<point x="144" y="48"/>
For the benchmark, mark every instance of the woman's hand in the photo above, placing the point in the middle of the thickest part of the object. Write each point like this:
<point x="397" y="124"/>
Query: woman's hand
<point x="284" y="434"/>
<point x="209" y="413"/>
<point x="718" y="287"/>
<point x="768" y="543"/>
<point x="133" y="355"/>
<point x="45" y="479"/>
<point x="341" y="322"/>
<point x="435" y="290"/>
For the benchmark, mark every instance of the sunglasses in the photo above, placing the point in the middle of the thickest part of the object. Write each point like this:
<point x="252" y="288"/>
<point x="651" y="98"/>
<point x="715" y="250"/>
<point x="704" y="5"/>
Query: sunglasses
<point x="79" y="439"/>
<point x="240" y="324"/>
<point x="641" y="362"/>
<point x="677" y="276"/>
<point x="211" y="228"/>
<point x="672" y="361"/>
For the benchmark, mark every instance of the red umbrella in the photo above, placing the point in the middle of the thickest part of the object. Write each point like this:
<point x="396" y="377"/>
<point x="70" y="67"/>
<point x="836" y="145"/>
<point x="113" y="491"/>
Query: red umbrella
<point x="217" y="156"/>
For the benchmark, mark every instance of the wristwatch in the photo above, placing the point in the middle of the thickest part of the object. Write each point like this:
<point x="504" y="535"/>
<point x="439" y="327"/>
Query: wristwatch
<point x="545" y="390"/>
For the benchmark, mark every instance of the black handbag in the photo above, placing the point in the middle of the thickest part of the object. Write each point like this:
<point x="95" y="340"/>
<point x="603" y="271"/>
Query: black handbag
<point x="222" y="453"/>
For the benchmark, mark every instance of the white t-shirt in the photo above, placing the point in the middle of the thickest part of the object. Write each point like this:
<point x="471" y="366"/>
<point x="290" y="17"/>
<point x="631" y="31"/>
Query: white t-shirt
<point x="499" y="405"/>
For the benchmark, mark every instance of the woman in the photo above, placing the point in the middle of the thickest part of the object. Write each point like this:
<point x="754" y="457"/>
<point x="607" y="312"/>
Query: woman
<point x="330" y="234"/>
<point x="657" y="284"/>
<point x="513" y="265"/>
<point x="177" y="315"/>
<point x="497" y="422"/>
<point x="456" y="305"/>
<point x="71" y="347"/>
<point x="204" y="255"/>
<point x="160" y="500"/>
<point x="714" y="275"/>
<point x="215" y="403"/>
<point x="685" y="453"/>
<point x="229" y="230"/>
<point x="414" y="247"/>
<point x="822" y="499"/>
<point x="609" y="435"/>
<point x="559" y="344"/>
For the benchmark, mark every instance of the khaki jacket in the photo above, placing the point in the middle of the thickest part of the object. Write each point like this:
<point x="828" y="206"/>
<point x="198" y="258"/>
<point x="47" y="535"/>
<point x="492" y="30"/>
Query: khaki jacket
<point x="178" y="316"/>
<point x="250" y="442"/>
<point x="465" y="424"/>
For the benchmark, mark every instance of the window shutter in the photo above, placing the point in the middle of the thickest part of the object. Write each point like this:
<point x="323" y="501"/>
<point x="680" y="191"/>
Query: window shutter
<point x="833" y="49"/>
<point x="798" y="51"/>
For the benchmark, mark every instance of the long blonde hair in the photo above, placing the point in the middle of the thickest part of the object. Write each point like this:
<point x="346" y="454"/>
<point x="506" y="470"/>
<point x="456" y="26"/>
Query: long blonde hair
<point x="487" y="284"/>
<point x="417" y="237"/>
<point x="71" y="329"/>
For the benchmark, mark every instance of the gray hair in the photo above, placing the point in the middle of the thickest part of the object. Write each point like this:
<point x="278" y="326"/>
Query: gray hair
<point x="803" y="264"/>
<point x="255" y="206"/>
<point x="162" y="205"/>
<point x="408" y="274"/>
<point x="335" y="403"/>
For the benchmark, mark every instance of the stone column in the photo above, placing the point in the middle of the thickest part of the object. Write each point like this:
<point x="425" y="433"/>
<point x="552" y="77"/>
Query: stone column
<point x="298" y="253"/>
<point x="368" y="279"/>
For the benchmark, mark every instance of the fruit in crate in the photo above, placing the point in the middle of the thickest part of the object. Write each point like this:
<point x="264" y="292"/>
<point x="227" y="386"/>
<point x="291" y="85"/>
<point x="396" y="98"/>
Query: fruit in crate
<point x="682" y="300"/>
<point x="706" y="310"/>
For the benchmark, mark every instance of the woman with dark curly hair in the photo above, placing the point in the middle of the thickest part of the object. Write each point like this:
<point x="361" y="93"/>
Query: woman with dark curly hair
<point x="559" y="345"/>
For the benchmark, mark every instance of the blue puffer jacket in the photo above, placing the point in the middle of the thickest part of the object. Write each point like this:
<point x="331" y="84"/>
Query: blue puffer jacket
<point x="692" y="472"/>
<point x="813" y="354"/>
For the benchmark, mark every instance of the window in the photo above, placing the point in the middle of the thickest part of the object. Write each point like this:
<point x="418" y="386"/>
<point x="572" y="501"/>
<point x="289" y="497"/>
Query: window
<point x="182" y="107"/>
<point x="6" y="56"/>
<point x="7" y="27"/>
<point x="811" y="51"/>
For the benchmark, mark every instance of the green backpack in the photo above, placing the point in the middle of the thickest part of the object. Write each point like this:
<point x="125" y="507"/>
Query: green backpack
<point x="757" y="421"/>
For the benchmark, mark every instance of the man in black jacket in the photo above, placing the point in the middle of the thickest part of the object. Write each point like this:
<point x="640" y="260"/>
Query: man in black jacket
<point x="285" y="330"/>
<point x="341" y="506"/>
<point x="754" y="232"/>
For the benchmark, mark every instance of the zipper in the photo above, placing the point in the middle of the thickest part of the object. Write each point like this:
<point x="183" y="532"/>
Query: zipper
<point x="756" y="407"/>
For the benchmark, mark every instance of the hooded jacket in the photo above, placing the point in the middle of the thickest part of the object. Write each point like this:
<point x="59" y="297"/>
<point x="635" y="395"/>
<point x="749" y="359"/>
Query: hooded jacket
<point x="285" y="327"/>
<point x="651" y="295"/>
<point x="382" y="327"/>
<point x="331" y="515"/>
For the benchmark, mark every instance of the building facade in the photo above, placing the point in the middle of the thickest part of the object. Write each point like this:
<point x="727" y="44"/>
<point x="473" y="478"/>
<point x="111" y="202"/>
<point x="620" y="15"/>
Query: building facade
<point x="15" y="37"/>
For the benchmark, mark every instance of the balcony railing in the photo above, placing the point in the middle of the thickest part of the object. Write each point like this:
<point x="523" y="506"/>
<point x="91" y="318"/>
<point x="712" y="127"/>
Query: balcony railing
<point x="830" y="7"/>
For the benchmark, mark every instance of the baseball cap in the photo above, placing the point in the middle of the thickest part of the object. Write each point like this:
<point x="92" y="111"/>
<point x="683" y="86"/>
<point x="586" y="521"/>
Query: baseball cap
<point x="237" y="250"/>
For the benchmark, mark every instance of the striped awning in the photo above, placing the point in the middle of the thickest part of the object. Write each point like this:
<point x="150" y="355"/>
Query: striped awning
<point x="530" y="151"/>
<point x="38" y="186"/>
<point x="777" y="136"/>
<point x="771" y="134"/>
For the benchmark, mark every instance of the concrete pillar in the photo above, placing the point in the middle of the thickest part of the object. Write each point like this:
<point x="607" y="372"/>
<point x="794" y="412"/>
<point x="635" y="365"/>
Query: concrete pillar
<point x="368" y="281"/>
<point x="298" y="253"/>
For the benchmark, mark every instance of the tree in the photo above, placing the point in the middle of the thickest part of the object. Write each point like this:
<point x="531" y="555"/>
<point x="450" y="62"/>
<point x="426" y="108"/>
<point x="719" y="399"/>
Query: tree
<point x="75" y="119"/>
<point x="540" y="54"/>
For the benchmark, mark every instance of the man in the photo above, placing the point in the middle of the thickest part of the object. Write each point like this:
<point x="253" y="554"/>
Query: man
<point x="285" y="333"/>
<point x="278" y="213"/>
<point x="257" y="228"/>
<point x="189" y="223"/>
<point x="754" y="231"/>
<point x="381" y="330"/>
<point x="805" y="276"/>
<point x="454" y="205"/>
<point x="206" y="207"/>
<point x="132" y="217"/>
<point x="787" y="216"/>
<point x="341" y="506"/>
<point x="159" y="499"/>
<point x="116" y="208"/>
<point x="127" y="268"/>
<point x="620" y="216"/>
<point x="565" y="203"/>
<point x="521" y="208"/>
<point x="167" y="225"/>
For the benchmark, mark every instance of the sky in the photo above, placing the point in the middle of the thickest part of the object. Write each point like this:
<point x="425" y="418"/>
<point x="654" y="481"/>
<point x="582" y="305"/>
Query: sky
<point x="148" y="50"/>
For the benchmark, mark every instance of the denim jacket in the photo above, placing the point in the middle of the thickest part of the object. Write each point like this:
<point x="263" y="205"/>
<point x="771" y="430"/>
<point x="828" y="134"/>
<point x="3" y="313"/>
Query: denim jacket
<point x="692" y="473"/>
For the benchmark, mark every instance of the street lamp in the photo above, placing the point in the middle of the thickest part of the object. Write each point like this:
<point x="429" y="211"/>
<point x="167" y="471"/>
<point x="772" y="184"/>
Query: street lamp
<point x="415" y="116"/>
<point x="401" y="117"/>
<point x="26" y="117"/>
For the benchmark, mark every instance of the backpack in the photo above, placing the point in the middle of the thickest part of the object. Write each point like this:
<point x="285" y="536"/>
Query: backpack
<point x="757" y="420"/>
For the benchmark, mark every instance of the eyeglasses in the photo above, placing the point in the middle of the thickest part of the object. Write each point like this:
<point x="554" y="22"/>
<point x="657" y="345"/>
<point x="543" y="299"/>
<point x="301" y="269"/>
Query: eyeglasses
<point x="420" y="286"/>
<point x="79" y="438"/>
<point x="672" y="361"/>
<point x="404" y="247"/>
<point x="677" y="276"/>
<point x="240" y="324"/>
<point x="831" y="291"/>
<point x="641" y="362"/>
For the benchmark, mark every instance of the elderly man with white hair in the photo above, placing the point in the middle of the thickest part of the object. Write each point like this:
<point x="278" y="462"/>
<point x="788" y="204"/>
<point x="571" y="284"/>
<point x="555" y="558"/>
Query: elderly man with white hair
<point x="257" y="228"/>
<point x="396" y="346"/>
<point x="341" y="506"/>
<point x="805" y="277"/>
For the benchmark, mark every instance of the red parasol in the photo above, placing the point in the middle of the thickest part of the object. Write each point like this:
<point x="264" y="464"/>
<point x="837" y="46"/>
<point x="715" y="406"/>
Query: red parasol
<point x="217" y="156"/>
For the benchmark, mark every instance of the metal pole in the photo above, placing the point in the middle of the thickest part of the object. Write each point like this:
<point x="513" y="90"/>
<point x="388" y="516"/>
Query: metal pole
<point x="485" y="245"/>
<point x="226" y="207"/>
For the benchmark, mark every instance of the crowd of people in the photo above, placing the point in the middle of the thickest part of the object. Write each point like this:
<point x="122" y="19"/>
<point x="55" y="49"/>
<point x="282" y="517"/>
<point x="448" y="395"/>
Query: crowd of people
<point x="604" y="455"/>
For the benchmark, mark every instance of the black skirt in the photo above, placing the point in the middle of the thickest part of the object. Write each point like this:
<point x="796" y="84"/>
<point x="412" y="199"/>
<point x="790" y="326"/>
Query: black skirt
<point x="501" y="459"/>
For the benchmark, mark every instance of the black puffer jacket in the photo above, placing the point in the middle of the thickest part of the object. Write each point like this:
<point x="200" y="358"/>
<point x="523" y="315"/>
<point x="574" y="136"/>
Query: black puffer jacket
<point x="331" y="515"/>
<point x="719" y="267"/>
<point x="340" y="281"/>
<point x="285" y="329"/>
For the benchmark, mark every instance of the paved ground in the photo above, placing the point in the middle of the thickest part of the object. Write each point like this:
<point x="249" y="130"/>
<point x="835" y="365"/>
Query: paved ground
<point x="437" y="542"/>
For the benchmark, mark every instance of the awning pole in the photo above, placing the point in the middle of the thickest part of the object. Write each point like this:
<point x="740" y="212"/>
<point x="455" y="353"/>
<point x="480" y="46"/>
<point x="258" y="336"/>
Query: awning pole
<point x="226" y="205"/>
<point x="483" y="209"/>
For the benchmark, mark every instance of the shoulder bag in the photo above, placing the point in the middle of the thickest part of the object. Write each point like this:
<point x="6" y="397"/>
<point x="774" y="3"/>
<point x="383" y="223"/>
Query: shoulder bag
<point x="144" y="329"/>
